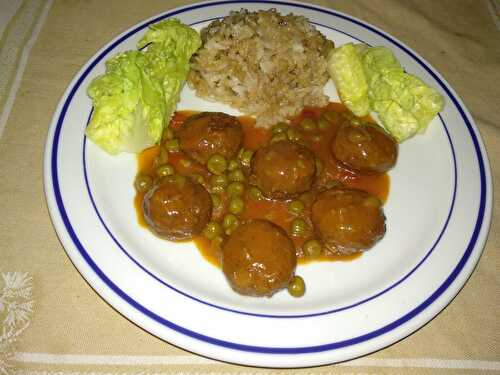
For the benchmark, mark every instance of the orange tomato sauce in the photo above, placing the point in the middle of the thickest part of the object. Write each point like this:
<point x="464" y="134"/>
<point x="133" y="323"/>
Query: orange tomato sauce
<point x="318" y="141"/>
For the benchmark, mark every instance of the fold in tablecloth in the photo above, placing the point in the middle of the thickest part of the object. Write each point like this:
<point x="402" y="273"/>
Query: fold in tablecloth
<point x="53" y="322"/>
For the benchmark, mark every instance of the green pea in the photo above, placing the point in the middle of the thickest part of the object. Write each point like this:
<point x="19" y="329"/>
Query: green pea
<point x="164" y="170"/>
<point x="198" y="178"/>
<point x="312" y="248"/>
<point x="299" y="227"/>
<point x="293" y="135"/>
<point x="172" y="145"/>
<point x="236" y="175"/>
<point x="308" y="124"/>
<point x="217" y="164"/>
<point x="255" y="193"/>
<point x="229" y="220"/>
<point x="279" y="137"/>
<point x="236" y="188"/>
<point x="232" y="165"/>
<point x="296" y="207"/>
<point x="331" y="116"/>
<point x="280" y="127"/>
<point x="143" y="183"/>
<point x="323" y="124"/>
<point x="212" y="230"/>
<point x="216" y="200"/>
<point x="236" y="205"/>
<point x="168" y="133"/>
<point x="297" y="287"/>
<point x="218" y="180"/>
<point x="246" y="158"/>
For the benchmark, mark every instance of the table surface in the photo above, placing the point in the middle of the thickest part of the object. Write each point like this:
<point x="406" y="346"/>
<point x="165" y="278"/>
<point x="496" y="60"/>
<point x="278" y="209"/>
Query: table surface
<point x="62" y="326"/>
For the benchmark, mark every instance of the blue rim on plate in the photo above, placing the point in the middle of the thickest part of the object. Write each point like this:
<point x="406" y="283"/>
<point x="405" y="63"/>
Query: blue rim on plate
<point x="480" y="219"/>
<point x="355" y="304"/>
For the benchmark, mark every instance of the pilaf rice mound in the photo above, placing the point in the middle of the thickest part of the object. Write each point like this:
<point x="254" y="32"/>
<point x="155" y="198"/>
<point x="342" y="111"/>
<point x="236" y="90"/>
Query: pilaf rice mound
<point x="262" y="63"/>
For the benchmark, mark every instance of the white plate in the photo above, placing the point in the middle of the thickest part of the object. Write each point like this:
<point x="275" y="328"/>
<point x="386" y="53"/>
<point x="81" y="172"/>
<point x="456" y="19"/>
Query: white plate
<point x="438" y="216"/>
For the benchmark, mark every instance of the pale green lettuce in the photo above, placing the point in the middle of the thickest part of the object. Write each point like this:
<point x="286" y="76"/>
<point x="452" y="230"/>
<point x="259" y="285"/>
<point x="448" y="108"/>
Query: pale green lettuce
<point x="136" y="96"/>
<point x="170" y="45"/>
<point x="403" y="102"/>
<point x="377" y="62"/>
<point x="346" y="70"/>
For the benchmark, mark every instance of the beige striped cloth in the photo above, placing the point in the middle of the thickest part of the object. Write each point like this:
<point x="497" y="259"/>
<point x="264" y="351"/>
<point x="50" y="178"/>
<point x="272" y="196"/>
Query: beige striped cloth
<point x="63" y="327"/>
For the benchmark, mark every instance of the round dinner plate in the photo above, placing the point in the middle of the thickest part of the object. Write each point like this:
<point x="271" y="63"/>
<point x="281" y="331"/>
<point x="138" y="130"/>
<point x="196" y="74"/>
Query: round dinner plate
<point x="438" y="215"/>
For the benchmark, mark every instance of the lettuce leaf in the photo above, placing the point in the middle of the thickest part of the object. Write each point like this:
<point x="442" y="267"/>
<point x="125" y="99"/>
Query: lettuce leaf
<point x="136" y="96"/>
<point x="346" y="70"/>
<point x="377" y="62"/>
<point x="404" y="103"/>
<point x="170" y="45"/>
<point x="412" y="104"/>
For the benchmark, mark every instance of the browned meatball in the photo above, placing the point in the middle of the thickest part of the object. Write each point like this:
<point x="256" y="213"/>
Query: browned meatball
<point x="365" y="148"/>
<point x="283" y="169"/>
<point x="259" y="258"/>
<point x="177" y="208"/>
<point x="348" y="220"/>
<point x="209" y="133"/>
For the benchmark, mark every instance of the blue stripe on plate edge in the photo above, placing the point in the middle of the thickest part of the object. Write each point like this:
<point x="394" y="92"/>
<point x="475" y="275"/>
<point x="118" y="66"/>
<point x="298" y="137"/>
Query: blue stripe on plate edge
<point x="343" y="308"/>
<point x="260" y="349"/>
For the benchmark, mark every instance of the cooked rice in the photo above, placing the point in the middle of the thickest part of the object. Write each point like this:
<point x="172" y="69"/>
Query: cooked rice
<point x="262" y="63"/>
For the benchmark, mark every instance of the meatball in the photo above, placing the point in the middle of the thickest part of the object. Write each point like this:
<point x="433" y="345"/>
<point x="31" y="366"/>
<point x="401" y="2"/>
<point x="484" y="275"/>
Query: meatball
<point x="210" y="133"/>
<point x="259" y="258"/>
<point x="348" y="221"/>
<point x="283" y="169"/>
<point x="365" y="148"/>
<point x="177" y="208"/>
